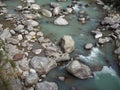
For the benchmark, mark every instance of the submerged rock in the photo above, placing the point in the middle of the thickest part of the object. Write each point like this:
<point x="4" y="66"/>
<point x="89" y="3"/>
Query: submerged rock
<point x="60" y="21"/>
<point x="42" y="64"/>
<point x="46" y="86"/>
<point x="79" y="70"/>
<point x="67" y="43"/>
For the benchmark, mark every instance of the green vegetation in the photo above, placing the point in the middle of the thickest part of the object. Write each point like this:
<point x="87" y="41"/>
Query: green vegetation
<point x="5" y="66"/>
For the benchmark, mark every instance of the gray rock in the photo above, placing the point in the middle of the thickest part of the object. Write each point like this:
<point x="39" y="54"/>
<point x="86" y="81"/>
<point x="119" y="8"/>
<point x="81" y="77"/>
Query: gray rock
<point x="46" y="13"/>
<point x="56" y="10"/>
<point x="61" y="78"/>
<point x="5" y="34"/>
<point x="67" y="43"/>
<point x="45" y="85"/>
<point x="35" y="6"/>
<point x="30" y="1"/>
<point x="31" y="79"/>
<point x="60" y="21"/>
<point x="12" y="41"/>
<point x="117" y="51"/>
<point x="31" y="22"/>
<point x="79" y="70"/>
<point x="89" y="46"/>
<point x="30" y="16"/>
<point x="42" y="64"/>
<point x="19" y="27"/>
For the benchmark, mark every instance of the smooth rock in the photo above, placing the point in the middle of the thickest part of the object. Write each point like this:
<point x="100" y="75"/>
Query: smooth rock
<point x="12" y="41"/>
<point x="31" y="79"/>
<point x="61" y="78"/>
<point x="79" y="70"/>
<point x="5" y="34"/>
<point x="46" y="13"/>
<point x="37" y="51"/>
<point x="19" y="27"/>
<point x="20" y="37"/>
<point x="32" y="23"/>
<point x="35" y="6"/>
<point x="67" y="43"/>
<point x="42" y="64"/>
<point x="60" y="21"/>
<point x="89" y="46"/>
<point x="18" y="56"/>
<point x="45" y="85"/>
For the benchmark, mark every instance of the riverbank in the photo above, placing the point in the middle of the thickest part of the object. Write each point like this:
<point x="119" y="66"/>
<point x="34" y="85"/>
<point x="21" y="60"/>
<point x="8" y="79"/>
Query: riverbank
<point x="35" y="55"/>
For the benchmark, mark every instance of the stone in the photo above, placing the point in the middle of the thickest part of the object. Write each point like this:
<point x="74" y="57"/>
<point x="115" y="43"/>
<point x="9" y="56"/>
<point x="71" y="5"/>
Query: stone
<point x="89" y="46"/>
<point x="18" y="56"/>
<point x="37" y="51"/>
<point x="45" y="85"/>
<point x="31" y="79"/>
<point x="30" y="16"/>
<point x="40" y="34"/>
<point x="60" y="21"/>
<point x="61" y="78"/>
<point x="67" y="44"/>
<point x="42" y="64"/>
<point x="32" y="23"/>
<point x="35" y="6"/>
<point x="20" y="37"/>
<point x="32" y="70"/>
<point x="12" y="41"/>
<point x="24" y="64"/>
<point x="5" y="34"/>
<point x="56" y="10"/>
<point x="117" y="51"/>
<point x="30" y="1"/>
<point x="46" y="13"/>
<point x="69" y="10"/>
<point x="19" y="27"/>
<point x="79" y="70"/>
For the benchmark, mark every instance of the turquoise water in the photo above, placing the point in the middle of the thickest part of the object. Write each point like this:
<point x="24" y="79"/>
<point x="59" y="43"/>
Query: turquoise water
<point x="106" y="79"/>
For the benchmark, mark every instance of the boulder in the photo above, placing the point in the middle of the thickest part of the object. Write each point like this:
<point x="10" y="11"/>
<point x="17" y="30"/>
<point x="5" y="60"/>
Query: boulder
<point x="46" y="86"/>
<point x="31" y="79"/>
<point x="79" y="70"/>
<point x="67" y="43"/>
<point x="42" y="64"/>
<point x="46" y="13"/>
<point x="60" y="21"/>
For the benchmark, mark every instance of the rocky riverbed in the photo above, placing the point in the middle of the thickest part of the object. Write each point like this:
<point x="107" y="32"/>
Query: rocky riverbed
<point x="36" y="55"/>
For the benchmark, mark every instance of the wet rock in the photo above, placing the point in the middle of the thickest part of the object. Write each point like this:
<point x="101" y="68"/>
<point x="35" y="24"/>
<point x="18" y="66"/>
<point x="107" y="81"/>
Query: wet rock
<point x="79" y="70"/>
<point x="61" y="78"/>
<point x="12" y="41"/>
<point x="30" y="16"/>
<point x="35" y="6"/>
<point x="30" y="1"/>
<point x="56" y="10"/>
<point x="18" y="56"/>
<point x="31" y="79"/>
<point x="89" y="46"/>
<point x="103" y="40"/>
<point x="67" y="44"/>
<point x="54" y="4"/>
<point x="45" y="85"/>
<point x="5" y="34"/>
<point x="60" y="21"/>
<point x="42" y="64"/>
<point x="69" y="10"/>
<point x="46" y="13"/>
<point x="117" y="51"/>
<point x="32" y="23"/>
<point x="40" y="34"/>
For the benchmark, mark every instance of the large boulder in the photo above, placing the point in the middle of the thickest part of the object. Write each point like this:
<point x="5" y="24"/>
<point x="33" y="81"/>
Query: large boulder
<point x="79" y="70"/>
<point x="46" y="86"/>
<point x="60" y="21"/>
<point x="67" y="43"/>
<point x="42" y="64"/>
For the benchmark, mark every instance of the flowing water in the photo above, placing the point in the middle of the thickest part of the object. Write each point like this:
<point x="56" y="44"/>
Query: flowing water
<point x="106" y="79"/>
